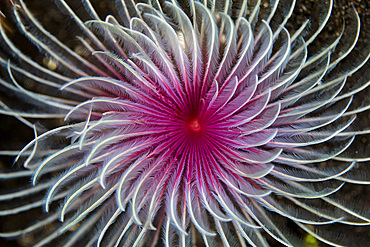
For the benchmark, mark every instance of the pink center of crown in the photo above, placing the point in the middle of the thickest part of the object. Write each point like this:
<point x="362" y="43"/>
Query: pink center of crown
<point x="194" y="126"/>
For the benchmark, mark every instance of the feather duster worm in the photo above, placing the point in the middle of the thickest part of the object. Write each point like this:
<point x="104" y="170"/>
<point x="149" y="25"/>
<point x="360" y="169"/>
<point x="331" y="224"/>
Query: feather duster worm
<point x="186" y="123"/>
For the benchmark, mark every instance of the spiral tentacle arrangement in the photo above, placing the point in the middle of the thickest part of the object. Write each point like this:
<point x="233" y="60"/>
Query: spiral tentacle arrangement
<point x="187" y="123"/>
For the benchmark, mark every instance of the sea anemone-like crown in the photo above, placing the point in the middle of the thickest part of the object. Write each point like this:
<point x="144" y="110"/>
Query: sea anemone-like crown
<point x="199" y="123"/>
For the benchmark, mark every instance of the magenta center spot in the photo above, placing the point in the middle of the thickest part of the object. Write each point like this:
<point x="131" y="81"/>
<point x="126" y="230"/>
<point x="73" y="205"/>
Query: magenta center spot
<point x="195" y="126"/>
